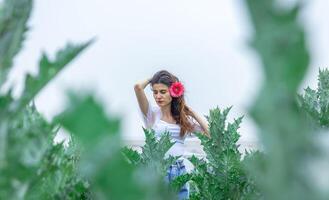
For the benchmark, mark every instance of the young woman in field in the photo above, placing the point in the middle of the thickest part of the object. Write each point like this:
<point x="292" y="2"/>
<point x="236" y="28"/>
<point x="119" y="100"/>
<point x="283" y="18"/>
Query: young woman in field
<point x="170" y="114"/>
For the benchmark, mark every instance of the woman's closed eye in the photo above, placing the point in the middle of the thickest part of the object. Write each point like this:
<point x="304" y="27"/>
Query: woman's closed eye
<point x="162" y="92"/>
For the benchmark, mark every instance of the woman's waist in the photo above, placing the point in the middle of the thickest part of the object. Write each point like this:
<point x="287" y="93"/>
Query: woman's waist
<point x="178" y="149"/>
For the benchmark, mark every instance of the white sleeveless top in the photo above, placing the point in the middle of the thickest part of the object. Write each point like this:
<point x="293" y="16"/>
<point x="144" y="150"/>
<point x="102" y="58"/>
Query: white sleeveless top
<point x="153" y="121"/>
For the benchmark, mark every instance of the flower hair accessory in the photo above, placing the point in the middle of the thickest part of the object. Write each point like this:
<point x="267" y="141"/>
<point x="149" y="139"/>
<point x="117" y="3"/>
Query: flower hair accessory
<point x="176" y="89"/>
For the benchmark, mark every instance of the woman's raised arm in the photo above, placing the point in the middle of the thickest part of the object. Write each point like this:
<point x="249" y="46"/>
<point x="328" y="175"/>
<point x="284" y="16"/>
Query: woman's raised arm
<point x="141" y="97"/>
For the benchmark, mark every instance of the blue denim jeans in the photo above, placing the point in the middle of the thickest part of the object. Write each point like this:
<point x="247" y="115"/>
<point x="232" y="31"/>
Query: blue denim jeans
<point x="177" y="169"/>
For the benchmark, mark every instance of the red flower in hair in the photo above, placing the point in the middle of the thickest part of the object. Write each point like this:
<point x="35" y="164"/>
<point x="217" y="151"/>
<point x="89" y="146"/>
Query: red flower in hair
<point x="176" y="89"/>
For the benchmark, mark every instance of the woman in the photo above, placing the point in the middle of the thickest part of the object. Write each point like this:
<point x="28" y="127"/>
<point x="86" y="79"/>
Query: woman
<point x="171" y="114"/>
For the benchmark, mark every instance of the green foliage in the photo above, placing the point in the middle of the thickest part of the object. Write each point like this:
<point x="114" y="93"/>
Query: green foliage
<point x="48" y="69"/>
<point x="316" y="102"/>
<point x="153" y="155"/>
<point x="95" y="165"/>
<point x="153" y="152"/>
<point x="57" y="176"/>
<point x="31" y="165"/>
<point x="285" y="132"/>
<point x="280" y="42"/>
<point x="91" y="123"/>
<point x="103" y="162"/>
<point x="13" y="19"/>
<point x="222" y="172"/>
<point x="14" y="114"/>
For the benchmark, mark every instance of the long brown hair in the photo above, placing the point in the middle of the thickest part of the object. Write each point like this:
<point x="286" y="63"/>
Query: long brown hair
<point x="179" y="110"/>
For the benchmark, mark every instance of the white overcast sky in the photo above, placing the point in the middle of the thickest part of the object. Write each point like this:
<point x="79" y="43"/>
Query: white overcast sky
<point x="203" y="42"/>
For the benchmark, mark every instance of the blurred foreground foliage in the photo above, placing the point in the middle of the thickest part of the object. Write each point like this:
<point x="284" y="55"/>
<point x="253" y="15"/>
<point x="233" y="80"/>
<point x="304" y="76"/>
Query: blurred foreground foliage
<point x="286" y="133"/>
<point x="96" y="164"/>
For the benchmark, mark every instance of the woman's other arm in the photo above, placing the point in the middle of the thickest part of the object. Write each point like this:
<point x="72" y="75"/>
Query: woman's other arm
<point x="201" y="121"/>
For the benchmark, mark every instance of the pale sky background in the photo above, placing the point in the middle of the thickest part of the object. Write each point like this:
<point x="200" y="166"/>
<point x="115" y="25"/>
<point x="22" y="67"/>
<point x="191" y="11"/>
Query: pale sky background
<point x="204" y="43"/>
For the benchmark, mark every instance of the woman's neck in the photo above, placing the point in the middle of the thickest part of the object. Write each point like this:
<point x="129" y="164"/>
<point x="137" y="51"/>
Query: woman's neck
<point x="166" y="112"/>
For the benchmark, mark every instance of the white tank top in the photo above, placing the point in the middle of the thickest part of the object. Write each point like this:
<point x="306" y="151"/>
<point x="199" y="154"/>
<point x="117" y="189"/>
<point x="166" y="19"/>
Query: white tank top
<point x="153" y="121"/>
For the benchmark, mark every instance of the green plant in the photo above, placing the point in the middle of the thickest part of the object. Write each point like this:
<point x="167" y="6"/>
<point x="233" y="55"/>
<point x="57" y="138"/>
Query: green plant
<point x="286" y="135"/>
<point x="153" y="152"/>
<point x="31" y="166"/>
<point x="110" y="173"/>
<point x="316" y="102"/>
<point x="96" y="165"/>
<point x="222" y="174"/>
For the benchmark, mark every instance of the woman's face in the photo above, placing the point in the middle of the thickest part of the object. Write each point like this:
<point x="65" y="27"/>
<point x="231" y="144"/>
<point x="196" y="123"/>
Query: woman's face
<point x="161" y="94"/>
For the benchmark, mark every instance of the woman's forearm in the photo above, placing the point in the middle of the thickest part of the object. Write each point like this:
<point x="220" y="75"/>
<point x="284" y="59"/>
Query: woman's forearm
<point x="202" y="122"/>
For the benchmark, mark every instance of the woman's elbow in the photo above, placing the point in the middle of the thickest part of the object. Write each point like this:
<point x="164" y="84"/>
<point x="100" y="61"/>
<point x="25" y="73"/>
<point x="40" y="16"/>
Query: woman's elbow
<point x="137" y="87"/>
<point x="206" y="132"/>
